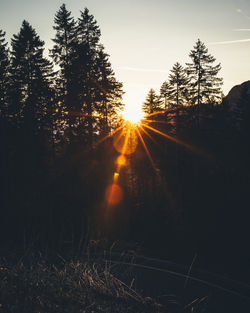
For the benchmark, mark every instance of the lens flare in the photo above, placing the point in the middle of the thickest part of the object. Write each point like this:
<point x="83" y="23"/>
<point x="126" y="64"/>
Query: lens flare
<point x="121" y="160"/>
<point x="116" y="176"/>
<point x="114" y="194"/>
<point x="125" y="141"/>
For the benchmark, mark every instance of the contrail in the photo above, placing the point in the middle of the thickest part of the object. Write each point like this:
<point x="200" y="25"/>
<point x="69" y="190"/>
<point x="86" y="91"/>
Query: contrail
<point x="242" y="30"/>
<point x="229" y="42"/>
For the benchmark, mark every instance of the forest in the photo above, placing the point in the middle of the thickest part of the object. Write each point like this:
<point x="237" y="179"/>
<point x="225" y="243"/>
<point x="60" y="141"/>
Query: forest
<point x="76" y="176"/>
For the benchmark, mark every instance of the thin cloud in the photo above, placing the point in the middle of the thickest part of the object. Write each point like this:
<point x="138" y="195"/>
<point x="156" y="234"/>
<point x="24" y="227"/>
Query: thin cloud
<point x="136" y="69"/>
<point x="229" y="42"/>
<point x="242" y="30"/>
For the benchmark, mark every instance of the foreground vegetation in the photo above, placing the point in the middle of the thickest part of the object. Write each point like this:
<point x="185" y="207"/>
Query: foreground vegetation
<point x="77" y="286"/>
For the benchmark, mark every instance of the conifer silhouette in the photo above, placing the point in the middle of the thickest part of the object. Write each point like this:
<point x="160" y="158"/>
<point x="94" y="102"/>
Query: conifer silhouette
<point x="152" y="103"/>
<point x="204" y="83"/>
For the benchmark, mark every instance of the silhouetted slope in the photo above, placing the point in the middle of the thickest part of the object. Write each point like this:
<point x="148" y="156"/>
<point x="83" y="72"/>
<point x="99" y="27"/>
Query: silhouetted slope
<point x="235" y="94"/>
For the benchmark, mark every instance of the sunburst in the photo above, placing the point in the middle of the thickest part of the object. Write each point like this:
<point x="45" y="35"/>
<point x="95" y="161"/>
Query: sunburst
<point x="133" y="128"/>
<point x="132" y="114"/>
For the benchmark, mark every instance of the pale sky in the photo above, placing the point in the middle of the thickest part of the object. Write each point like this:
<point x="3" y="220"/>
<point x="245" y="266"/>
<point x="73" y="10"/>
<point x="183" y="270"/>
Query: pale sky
<point x="145" y="38"/>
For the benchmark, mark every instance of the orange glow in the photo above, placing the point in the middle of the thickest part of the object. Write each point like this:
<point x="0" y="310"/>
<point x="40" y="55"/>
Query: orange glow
<point x="145" y="148"/>
<point x="144" y="130"/>
<point x="121" y="160"/>
<point x="116" y="176"/>
<point x="193" y="149"/>
<point x="114" y="194"/>
<point x="109" y="135"/>
<point x="126" y="141"/>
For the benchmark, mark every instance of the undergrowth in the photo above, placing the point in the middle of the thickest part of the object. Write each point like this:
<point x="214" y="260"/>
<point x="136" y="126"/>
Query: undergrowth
<point x="74" y="286"/>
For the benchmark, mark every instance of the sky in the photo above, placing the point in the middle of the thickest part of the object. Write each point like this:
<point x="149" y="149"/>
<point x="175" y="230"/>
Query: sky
<point x="145" y="38"/>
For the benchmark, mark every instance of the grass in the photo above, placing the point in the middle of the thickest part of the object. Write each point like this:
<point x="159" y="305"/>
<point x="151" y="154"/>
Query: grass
<point x="38" y="286"/>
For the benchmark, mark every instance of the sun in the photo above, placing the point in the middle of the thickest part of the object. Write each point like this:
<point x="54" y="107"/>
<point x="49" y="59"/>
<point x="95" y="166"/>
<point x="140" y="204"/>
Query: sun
<point x="132" y="114"/>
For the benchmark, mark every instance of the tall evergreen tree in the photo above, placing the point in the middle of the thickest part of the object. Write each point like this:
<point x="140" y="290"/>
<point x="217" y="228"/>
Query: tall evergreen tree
<point x="178" y="82"/>
<point x="88" y="30"/>
<point x="109" y="91"/>
<point x="152" y="103"/>
<point x="165" y="93"/>
<point x="4" y="64"/>
<point x="204" y="83"/>
<point x="88" y="85"/>
<point x="4" y="131"/>
<point x="88" y="35"/>
<point x="63" y="53"/>
<point x="30" y="77"/>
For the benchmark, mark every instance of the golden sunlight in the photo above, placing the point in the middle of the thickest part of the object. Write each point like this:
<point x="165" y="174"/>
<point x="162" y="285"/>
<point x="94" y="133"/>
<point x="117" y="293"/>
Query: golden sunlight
<point x="125" y="141"/>
<point x="114" y="194"/>
<point x="121" y="160"/>
<point x="133" y="114"/>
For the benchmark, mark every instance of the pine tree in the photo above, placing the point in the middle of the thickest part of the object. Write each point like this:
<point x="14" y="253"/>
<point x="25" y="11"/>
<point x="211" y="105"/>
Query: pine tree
<point x="178" y="82"/>
<point x="63" y="53"/>
<point x="30" y="77"/>
<point x="88" y="85"/>
<point x="109" y="91"/>
<point x="4" y="64"/>
<point x="204" y="83"/>
<point x="88" y="30"/>
<point x="165" y="93"/>
<point x="88" y="36"/>
<point x="152" y="103"/>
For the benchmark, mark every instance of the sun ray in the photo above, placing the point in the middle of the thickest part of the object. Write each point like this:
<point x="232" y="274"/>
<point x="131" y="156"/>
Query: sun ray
<point x="108" y="136"/>
<point x="145" y="132"/>
<point x="121" y="133"/>
<point x="124" y="148"/>
<point x="154" y="113"/>
<point x="178" y="141"/>
<point x="161" y="179"/>
<point x="161" y="112"/>
<point x="145" y="148"/>
<point x="126" y="141"/>
<point x="159" y="122"/>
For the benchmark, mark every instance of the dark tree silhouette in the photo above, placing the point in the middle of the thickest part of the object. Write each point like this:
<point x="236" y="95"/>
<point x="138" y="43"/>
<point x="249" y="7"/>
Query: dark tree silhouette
<point x="165" y="93"/>
<point x="152" y="103"/>
<point x="88" y="35"/>
<point x="179" y="82"/>
<point x="4" y="110"/>
<point x="30" y="78"/>
<point x="63" y="56"/>
<point x="87" y="87"/>
<point x="4" y="77"/>
<point x="204" y="83"/>
<point x="109" y="92"/>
